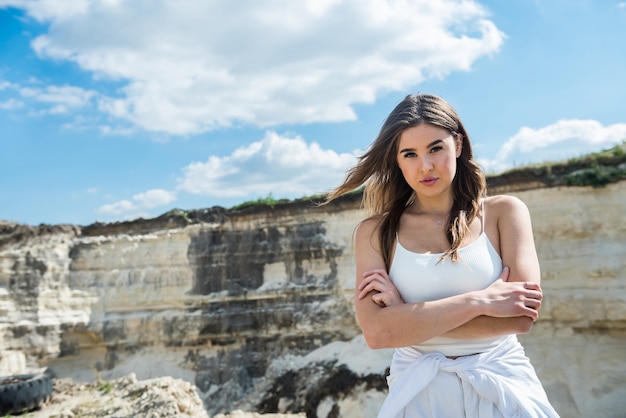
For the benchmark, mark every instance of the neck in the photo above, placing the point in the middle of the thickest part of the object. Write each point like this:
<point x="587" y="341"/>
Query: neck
<point x="432" y="207"/>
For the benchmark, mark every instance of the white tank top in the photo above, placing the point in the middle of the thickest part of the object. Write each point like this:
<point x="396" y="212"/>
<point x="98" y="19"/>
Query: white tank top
<point x="419" y="278"/>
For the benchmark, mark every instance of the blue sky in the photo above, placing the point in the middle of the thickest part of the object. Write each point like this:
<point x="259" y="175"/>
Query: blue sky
<point x="113" y="109"/>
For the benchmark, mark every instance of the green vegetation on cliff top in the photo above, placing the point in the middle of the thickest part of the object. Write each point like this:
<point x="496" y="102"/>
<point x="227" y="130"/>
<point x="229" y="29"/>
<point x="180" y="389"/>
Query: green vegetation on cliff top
<point x="596" y="169"/>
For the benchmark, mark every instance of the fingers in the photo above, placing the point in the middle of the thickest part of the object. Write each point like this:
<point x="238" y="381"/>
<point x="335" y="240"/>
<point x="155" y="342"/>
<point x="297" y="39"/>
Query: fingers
<point x="531" y="313"/>
<point x="532" y="294"/>
<point x="378" y="282"/>
<point x="527" y="285"/>
<point x="379" y="299"/>
<point x="373" y="275"/>
<point x="532" y="303"/>
<point x="376" y="272"/>
<point x="373" y="284"/>
<point x="532" y="300"/>
<point x="374" y="280"/>
<point x="508" y="299"/>
<point x="532" y="286"/>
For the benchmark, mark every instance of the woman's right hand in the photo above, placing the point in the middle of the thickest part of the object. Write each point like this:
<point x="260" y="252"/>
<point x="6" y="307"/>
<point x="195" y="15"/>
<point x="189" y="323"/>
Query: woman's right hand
<point x="378" y="280"/>
<point x="504" y="299"/>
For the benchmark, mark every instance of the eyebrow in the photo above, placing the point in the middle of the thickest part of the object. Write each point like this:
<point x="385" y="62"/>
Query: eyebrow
<point x="432" y="144"/>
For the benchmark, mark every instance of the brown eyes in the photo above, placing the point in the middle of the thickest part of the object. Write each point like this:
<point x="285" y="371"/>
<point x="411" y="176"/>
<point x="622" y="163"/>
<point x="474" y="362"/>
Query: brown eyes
<point x="430" y="151"/>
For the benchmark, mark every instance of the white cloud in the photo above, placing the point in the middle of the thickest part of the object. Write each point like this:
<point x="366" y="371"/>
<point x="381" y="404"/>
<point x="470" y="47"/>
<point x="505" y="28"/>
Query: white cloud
<point x="61" y="99"/>
<point x="44" y="10"/>
<point x="117" y="208"/>
<point x="155" y="197"/>
<point x="561" y="140"/>
<point x="283" y="166"/>
<point x="11" y="104"/>
<point x="286" y="167"/>
<point x="110" y="130"/>
<point x="5" y="85"/>
<point x="193" y="65"/>
<point x="141" y="202"/>
<point x="53" y="100"/>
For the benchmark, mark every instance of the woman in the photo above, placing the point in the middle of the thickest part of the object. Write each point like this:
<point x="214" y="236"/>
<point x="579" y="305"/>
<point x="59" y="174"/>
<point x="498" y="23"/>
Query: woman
<point x="445" y="276"/>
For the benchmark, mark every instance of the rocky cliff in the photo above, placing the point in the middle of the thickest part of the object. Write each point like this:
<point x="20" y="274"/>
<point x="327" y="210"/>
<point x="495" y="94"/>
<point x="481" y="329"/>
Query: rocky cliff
<point x="254" y="306"/>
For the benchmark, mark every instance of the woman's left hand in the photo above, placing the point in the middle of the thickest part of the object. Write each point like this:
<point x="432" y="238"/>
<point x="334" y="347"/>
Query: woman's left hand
<point x="378" y="281"/>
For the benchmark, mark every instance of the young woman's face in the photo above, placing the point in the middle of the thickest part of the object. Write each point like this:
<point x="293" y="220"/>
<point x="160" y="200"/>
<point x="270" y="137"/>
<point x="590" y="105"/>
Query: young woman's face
<point x="427" y="158"/>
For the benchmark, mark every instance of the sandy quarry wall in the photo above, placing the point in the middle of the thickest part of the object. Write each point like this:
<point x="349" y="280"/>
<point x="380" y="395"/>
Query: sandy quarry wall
<point x="246" y="304"/>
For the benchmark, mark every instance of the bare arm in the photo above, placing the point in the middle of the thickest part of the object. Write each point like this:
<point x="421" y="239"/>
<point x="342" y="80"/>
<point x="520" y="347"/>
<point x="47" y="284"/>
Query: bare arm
<point x="388" y="322"/>
<point x="517" y="247"/>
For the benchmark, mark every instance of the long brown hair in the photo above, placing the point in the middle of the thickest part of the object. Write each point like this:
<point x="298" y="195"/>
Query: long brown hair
<point x="386" y="192"/>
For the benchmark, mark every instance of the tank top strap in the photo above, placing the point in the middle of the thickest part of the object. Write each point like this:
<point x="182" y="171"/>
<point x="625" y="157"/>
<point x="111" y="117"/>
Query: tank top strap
<point x="482" y="202"/>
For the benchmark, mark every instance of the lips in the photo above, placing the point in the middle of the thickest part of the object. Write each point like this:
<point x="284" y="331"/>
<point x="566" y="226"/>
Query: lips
<point x="428" y="181"/>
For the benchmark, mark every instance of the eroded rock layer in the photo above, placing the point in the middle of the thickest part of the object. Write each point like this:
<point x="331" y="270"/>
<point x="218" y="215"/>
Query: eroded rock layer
<point x="254" y="307"/>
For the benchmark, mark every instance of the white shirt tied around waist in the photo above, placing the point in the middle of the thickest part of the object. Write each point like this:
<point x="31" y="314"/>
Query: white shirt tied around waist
<point x="502" y="377"/>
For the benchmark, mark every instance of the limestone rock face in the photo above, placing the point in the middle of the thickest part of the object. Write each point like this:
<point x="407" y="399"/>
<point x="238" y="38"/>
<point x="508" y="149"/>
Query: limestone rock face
<point x="579" y="344"/>
<point x="254" y="307"/>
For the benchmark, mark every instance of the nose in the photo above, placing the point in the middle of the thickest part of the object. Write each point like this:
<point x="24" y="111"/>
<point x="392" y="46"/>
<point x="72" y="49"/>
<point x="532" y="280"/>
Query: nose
<point x="425" y="165"/>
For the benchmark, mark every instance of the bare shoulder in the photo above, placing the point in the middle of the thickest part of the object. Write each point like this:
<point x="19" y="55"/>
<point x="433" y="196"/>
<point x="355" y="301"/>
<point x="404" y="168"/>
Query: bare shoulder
<point x="508" y="213"/>
<point x="514" y="235"/>
<point x="367" y="231"/>
<point x="505" y="205"/>
<point x="368" y="227"/>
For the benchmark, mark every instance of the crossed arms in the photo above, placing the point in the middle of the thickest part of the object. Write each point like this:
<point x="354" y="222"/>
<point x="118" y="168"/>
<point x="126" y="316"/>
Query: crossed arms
<point x="509" y="306"/>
